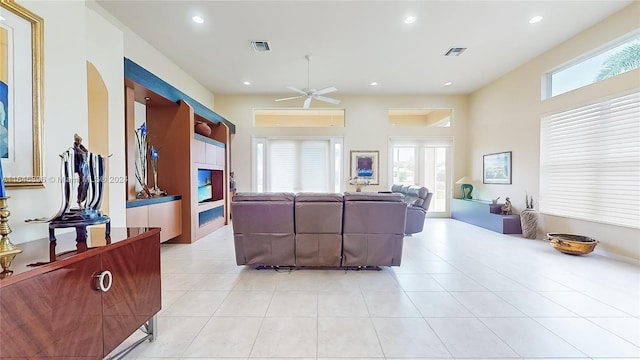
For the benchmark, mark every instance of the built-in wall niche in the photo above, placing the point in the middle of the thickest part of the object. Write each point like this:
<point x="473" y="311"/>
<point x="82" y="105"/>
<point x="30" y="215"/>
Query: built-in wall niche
<point x="420" y="117"/>
<point x="210" y="185"/>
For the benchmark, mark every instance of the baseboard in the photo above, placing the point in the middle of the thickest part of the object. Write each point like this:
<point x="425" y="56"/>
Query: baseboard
<point x="617" y="257"/>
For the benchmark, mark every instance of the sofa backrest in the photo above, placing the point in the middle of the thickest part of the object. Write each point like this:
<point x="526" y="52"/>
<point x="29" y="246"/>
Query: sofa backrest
<point x="262" y="212"/>
<point x="414" y="195"/>
<point x="374" y="213"/>
<point x="318" y="213"/>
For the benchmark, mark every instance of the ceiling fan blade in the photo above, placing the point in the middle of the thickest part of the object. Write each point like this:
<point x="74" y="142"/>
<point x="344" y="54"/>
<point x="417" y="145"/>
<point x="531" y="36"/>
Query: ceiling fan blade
<point x="327" y="99"/>
<point x="307" y="102"/>
<point x="296" y="90"/>
<point x="325" y="90"/>
<point x="289" y="98"/>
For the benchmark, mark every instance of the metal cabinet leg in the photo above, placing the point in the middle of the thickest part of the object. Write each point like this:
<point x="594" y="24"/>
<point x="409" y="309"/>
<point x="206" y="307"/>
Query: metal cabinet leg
<point x="150" y="328"/>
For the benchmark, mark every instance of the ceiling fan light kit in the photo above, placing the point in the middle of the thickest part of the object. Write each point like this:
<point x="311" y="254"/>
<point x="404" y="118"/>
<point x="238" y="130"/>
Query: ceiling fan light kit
<point x="308" y="93"/>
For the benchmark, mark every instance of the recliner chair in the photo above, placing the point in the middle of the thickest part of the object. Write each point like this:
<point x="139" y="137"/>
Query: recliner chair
<point x="263" y="229"/>
<point x="373" y="229"/>
<point x="418" y="200"/>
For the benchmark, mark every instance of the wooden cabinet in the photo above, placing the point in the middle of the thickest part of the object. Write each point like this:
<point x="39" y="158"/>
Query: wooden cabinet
<point x="55" y="314"/>
<point x="171" y="116"/>
<point x="164" y="213"/>
<point x="56" y="311"/>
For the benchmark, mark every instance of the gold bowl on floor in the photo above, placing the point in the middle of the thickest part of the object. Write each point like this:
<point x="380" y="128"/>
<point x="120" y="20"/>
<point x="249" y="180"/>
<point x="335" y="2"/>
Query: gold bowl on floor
<point x="572" y="244"/>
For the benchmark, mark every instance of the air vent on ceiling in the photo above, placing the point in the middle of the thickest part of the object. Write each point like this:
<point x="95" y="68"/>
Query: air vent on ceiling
<point x="260" y="45"/>
<point x="455" y="51"/>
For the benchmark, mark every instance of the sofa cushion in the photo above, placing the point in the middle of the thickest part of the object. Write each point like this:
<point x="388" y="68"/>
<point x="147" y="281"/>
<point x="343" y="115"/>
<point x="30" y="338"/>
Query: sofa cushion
<point x="318" y="197"/>
<point x="364" y="196"/>
<point x="259" y="196"/>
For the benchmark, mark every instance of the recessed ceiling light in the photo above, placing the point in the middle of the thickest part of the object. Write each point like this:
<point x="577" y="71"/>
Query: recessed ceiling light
<point x="147" y="98"/>
<point x="535" y="19"/>
<point x="247" y="83"/>
<point x="410" y="19"/>
<point x="374" y="84"/>
<point x="197" y="19"/>
<point x="448" y="83"/>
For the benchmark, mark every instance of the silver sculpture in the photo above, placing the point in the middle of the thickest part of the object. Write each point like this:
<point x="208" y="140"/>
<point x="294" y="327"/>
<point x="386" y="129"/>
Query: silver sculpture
<point x="90" y="169"/>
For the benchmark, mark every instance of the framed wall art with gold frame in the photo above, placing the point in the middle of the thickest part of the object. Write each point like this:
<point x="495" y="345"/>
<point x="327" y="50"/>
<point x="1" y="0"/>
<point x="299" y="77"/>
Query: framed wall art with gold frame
<point x="21" y="45"/>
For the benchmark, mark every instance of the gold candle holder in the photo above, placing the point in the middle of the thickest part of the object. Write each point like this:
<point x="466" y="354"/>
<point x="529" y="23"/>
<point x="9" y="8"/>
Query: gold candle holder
<point x="8" y="251"/>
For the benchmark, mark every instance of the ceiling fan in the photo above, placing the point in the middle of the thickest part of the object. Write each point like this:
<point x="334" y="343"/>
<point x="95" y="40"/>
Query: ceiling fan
<point x="308" y="93"/>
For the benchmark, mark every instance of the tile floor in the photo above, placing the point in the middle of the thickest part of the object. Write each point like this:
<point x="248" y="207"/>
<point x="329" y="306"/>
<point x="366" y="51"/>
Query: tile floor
<point x="462" y="292"/>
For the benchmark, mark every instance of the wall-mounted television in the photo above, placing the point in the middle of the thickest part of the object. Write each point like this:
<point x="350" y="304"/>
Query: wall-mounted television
<point x="205" y="185"/>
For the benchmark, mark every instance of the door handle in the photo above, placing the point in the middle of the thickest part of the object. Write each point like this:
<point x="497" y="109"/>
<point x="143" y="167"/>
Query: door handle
<point x="104" y="281"/>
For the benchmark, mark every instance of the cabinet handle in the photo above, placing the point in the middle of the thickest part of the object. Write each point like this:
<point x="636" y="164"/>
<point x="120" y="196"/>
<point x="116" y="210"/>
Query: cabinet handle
<point x="105" y="275"/>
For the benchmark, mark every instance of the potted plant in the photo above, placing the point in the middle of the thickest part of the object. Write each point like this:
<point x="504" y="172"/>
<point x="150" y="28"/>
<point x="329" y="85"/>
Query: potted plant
<point x="359" y="183"/>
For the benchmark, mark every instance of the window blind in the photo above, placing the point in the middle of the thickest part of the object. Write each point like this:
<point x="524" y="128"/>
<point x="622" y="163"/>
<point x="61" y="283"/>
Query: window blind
<point x="590" y="162"/>
<point x="283" y="169"/>
<point x="298" y="165"/>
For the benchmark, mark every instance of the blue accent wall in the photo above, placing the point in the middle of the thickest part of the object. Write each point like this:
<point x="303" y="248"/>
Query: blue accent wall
<point x="140" y="75"/>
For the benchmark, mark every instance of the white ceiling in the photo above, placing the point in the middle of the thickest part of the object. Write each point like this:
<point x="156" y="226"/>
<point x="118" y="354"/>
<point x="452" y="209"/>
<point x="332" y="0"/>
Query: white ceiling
<point x="354" y="43"/>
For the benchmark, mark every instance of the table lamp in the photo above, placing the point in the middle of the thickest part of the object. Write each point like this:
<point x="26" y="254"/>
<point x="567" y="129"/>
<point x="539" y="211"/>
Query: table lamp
<point x="465" y="184"/>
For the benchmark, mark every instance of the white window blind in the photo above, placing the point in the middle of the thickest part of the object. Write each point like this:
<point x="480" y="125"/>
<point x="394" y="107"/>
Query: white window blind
<point x="590" y="162"/>
<point x="283" y="167"/>
<point x="298" y="165"/>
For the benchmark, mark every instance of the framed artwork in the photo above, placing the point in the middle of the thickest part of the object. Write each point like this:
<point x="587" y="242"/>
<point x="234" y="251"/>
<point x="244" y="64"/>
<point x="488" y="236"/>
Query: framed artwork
<point x="496" y="168"/>
<point x="21" y="150"/>
<point x="364" y="165"/>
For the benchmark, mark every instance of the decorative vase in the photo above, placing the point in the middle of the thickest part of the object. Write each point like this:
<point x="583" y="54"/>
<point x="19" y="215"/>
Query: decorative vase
<point x="203" y="129"/>
<point x="529" y="222"/>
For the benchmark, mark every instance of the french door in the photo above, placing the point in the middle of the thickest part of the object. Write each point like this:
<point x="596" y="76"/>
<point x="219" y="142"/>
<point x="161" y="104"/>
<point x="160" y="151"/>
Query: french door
<point x="424" y="162"/>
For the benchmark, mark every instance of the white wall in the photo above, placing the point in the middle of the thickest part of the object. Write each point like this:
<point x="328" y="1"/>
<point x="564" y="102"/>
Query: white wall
<point x="505" y="116"/>
<point x="366" y="128"/>
<point x="76" y="32"/>
<point x="145" y="55"/>
<point x="105" y="51"/>
<point x="65" y="110"/>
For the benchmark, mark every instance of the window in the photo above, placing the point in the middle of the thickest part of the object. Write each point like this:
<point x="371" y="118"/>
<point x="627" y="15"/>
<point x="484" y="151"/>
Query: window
<point x="420" y="117"/>
<point x="298" y="117"/>
<point x="612" y="60"/>
<point x="590" y="162"/>
<point x="424" y="162"/>
<point x="297" y="164"/>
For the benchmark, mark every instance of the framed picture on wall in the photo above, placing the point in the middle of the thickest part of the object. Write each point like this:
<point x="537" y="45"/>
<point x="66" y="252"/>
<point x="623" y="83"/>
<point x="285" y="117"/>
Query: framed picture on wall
<point x="496" y="168"/>
<point x="21" y="150"/>
<point x="364" y="165"/>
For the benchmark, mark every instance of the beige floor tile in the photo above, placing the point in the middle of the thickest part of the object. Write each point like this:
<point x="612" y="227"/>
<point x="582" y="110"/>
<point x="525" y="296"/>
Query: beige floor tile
<point x="245" y="303"/>
<point x="225" y="337"/>
<point x="390" y="304"/>
<point x="347" y="337"/>
<point x="287" y="337"/>
<point x="466" y="338"/>
<point x="294" y="303"/>
<point x="417" y="341"/>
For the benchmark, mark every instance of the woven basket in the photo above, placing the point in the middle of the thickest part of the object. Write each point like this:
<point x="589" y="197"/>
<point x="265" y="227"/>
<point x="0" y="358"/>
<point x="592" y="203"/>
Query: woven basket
<point x="572" y="244"/>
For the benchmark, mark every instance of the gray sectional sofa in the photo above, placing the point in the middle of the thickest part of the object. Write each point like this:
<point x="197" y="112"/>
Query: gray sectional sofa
<point x="318" y="230"/>
<point x="418" y="199"/>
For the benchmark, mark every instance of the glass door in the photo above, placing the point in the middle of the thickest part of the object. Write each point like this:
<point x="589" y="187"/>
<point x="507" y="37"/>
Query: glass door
<point x="424" y="162"/>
